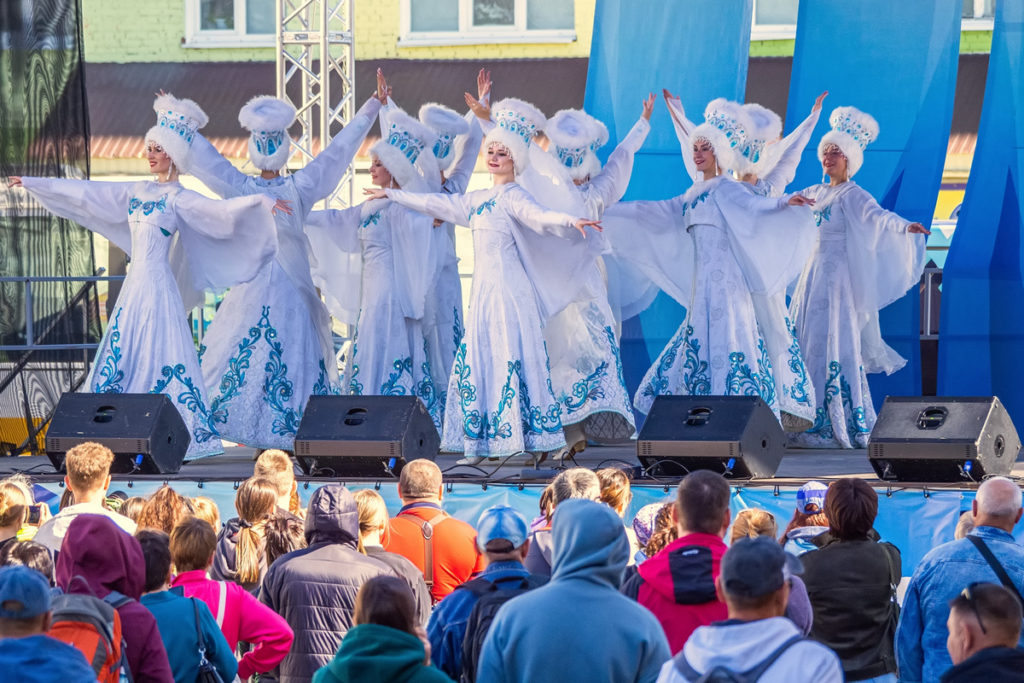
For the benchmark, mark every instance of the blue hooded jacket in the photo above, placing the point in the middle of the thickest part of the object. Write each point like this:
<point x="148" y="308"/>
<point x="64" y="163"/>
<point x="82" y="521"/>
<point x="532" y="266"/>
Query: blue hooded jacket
<point x="578" y="626"/>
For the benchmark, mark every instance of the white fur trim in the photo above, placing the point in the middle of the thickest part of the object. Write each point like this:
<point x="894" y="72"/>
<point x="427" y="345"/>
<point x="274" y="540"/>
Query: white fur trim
<point x="398" y="165"/>
<point x="274" y="162"/>
<point x="513" y="143"/>
<point x="725" y="153"/>
<point x="851" y="150"/>
<point x="571" y="128"/>
<point x="183" y="106"/>
<point x="443" y="120"/>
<point x="266" y="113"/>
<point x="859" y="125"/>
<point x="767" y="124"/>
<point x="176" y="147"/>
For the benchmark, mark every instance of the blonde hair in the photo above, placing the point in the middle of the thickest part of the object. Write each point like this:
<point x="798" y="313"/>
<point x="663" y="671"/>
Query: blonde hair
<point x="255" y="502"/>
<point x="615" y="490"/>
<point x="164" y="509"/>
<point x="132" y="508"/>
<point x="753" y="522"/>
<point x="275" y="465"/>
<point x="547" y="502"/>
<point x="13" y="504"/>
<point x="205" y="509"/>
<point x="664" y="532"/>
<point x="88" y="465"/>
<point x="373" y="513"/>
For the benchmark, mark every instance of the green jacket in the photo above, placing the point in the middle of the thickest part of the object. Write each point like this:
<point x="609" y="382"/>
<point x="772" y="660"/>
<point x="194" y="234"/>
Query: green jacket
<point x="371" y="652"/>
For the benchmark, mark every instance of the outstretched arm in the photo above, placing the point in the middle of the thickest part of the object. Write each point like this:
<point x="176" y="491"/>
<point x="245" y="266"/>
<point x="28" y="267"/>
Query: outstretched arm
<point x="540" y="219"/>
<point x="468" y="150"/>
<point x="791" y="148"/>
<point x="216" y="172"/>
<point x="481" y="104"/>
<point x="453" y="208"/>
<point x="99" y="206"/>
<point x="869" y="210"/>
<point x="608" y="186"/>
<point x="684" y="129"/>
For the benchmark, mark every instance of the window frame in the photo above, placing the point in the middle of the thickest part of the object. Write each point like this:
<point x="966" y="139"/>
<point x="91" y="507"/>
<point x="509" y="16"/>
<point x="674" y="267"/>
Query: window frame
<point x="468" y="34"/>
<point x="196" y="37"/>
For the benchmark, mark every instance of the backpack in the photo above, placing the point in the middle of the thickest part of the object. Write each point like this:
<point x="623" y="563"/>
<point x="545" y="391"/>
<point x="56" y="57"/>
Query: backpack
<point x="93" y="627"/>
<point x="491" y="595"/>
<point x="723" y="674"/>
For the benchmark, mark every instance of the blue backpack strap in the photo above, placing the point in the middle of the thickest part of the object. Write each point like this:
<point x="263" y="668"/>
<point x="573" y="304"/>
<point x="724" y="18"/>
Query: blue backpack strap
<point x="684" y="668"/>
<point x="115" y="599"/>
<point x="752" y="675"/>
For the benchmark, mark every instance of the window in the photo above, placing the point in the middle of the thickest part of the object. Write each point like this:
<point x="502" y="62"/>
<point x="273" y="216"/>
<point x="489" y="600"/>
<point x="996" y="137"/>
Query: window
<point x="229" y="23"/>
<point x="452" y="22"/>
<point x="978" y="15"/>
<point x="774" y="19"/>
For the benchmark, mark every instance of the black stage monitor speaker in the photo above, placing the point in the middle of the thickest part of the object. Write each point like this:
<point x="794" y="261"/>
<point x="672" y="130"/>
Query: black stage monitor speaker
<point x="942" y="439"/>
<point x="364" y="436"/>
<point x="145" y="431"/>
<point x="736" y="436"/>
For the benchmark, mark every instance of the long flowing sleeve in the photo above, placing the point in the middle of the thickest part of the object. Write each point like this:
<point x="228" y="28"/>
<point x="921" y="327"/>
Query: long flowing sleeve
<point x="216" y="172"/>
<point x="99" y="206"/>
<point x="684" y="129"/>
<point x="414" y="245"/>
<point x="532" y="215"/>
<point x="788" y="151"/>
<point x="336" y="259"/>
<point x="467" y="149"/>
<point x="318" y="178"/>
<point x="453" y="208"/>
<point x="610" y="184"/>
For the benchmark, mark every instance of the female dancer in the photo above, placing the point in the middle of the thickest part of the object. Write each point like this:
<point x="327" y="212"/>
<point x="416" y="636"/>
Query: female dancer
<point x="148" y="345"/>
<point x="399" y="266"/>
<point x="270" y="346"/>
<point x="866" y="258"/>
<point x="500" y="400"/>
<point x="739" y="244"/>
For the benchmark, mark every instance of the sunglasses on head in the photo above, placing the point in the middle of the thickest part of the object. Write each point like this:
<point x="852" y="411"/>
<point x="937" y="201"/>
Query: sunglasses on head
<point x="968" y="595"/>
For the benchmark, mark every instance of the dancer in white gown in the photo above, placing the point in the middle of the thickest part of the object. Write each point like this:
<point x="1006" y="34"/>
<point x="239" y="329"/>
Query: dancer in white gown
<point x="398" y="269"/>
<point x="500" y="399"/>
<point x="711" y="249"/>
<point x="866" y="258"/>
<point x="270" y="346"/>
<point x="148" y="344"/>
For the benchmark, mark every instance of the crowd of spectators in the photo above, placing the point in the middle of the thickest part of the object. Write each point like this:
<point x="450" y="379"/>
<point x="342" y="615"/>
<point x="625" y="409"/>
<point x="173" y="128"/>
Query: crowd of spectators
<point x="342" y="591"/>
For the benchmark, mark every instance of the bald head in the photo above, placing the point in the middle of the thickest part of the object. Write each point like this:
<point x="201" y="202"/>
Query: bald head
<point x="997" y="504"/>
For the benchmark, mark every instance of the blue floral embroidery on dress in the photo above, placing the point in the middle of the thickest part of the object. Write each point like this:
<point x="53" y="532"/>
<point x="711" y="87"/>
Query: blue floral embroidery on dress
<point x="277" y="388"/>
<point x="487" y="206"/>
<point x="825" y="214"/>
<point x="234" y="378"/>
<point x="856" y="421"/>
<point x="392" y="386"/>
<point x="457" y="330"/>
<point x="702" y="197"/>
<point x="742" y="381"/>
<point x="587" y="389"/>
<point x="695" y="378"/>
<point x="476" y="425"/>
<point x="535" y="419"/>
<point x="372" y="219"/>
<point x="111" y="372"/>
<point x="659" y="383"/>
<point x="798" y="392"/>
<point x="323" y="387"/>
<point x="191" y="398"/>
<point x="148" y="207"/>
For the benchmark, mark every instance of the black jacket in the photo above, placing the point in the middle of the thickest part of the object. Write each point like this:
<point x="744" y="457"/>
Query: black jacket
<point x="224" y="567"/>
<point x="991" y="664"/>
<point x="315" y="588"/>
<point x="851" y="587"/>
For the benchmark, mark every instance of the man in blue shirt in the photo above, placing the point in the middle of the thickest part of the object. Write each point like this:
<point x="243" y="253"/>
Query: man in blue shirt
<point x="946" y="570"/>
<point x="502" y="537"/>
<point x="26" y="652"/>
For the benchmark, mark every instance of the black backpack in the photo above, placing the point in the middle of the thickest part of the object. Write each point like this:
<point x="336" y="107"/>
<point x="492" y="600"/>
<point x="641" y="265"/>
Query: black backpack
<point x="723" y="674"/>
<point x="490" y="597"/>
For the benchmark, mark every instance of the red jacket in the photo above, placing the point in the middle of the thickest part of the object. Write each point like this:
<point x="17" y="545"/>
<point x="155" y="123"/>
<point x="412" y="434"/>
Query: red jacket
<point x="678" y="586"/>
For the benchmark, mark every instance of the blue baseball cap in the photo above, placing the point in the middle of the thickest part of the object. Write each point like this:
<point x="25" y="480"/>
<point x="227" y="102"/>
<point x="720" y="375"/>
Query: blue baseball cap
<point x="753" y="567"/>
<point x="501" y="522"/>
<point x="810" y="498"/>
<point x="24" y="593"/>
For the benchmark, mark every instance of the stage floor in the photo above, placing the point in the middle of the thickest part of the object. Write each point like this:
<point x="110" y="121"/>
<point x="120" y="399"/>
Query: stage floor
<point x="797" y="467"/>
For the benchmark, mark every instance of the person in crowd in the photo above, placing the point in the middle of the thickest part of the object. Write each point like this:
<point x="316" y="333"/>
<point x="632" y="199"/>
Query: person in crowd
<point x="283" y="534"/>
<point x="664" y="531"/>
<point x="808" y="519"/>
<point x="984" y="629"/>
<point x="452" y="541"/>
<point x="678" y="584"/>
<point x="387" y="642"/>
<point x="546" y="504"/>
<point x="575" y="482"/>
<point x="176" y="616"/>
<point x="851" y="579"/>
<point x="27" y="654"/>
<point x="132" y="508"/>
<point x="206" y="509"/>
<point x="643" y="528"/>
<point x="240" y="555"/>
<point x="13" y="513"/>
<point x="616" y="493"/>
<point x="315" y="588"/>
<point x="757" y="639"/>
<point x="503" y="538"/>
<point x="944" y="572"/>
<point x="98" y="558"/>
<point x="87" y="478"/>
<point x="241" y="617"/>
<point x="164" y="510"/>
<point x="29" y="554"/>
<point x="751" y="523"/>
<point x="579" y="611"/>
<point x="373" y="522"/>
<point x="964" y="525"/>
<point x="275" y="465"/>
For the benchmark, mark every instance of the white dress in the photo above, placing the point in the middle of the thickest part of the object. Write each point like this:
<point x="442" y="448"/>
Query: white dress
<point x="390" y="354"/>
<point x="500" y="398"/>
<point x="270" y="346"/>
<point x="865" y="260"/>
<point x="148" y="345"/>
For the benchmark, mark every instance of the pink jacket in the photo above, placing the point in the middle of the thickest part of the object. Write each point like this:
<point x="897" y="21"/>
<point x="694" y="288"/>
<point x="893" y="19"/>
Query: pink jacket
<point x="241" y="617"/>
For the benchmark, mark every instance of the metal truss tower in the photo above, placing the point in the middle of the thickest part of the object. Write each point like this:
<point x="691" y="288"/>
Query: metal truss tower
<point x="316" y="73"/>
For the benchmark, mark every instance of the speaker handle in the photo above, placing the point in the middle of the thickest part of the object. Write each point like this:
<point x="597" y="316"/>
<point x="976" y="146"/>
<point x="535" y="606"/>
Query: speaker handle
<point x="932" y="417"/>
<point x="698" y="416"/>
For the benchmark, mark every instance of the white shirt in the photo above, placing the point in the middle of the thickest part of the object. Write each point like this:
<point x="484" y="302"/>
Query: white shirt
<point x="51" y="534"/>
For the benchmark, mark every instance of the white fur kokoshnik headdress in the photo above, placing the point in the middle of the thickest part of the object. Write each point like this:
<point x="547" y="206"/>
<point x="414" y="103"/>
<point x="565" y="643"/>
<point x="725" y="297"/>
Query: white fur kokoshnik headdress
<point x="267" y="119"/>
<point x="447" y="125"/>
<point x="575" y="138"/>
<point x="516" y="122"/>
<point x="401" y="144"/>
<point x="852" y="131"/>
<point x="726" y="127"/>
<point x="766" y="129"/>
<point x="176" y="124"/>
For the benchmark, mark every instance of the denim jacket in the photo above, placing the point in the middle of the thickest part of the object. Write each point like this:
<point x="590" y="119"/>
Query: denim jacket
<point x="943" y="573"/>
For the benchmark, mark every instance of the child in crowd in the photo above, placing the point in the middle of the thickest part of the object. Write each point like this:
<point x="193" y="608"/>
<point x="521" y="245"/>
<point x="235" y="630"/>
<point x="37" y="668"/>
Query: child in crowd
<point x="616" y="493"/>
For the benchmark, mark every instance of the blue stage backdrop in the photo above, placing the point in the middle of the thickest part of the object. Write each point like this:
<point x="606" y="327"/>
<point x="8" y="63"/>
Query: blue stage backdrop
<point x="982" y="323"/>
<point x="698" y="49"/>
<point x="898" y="62"/>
